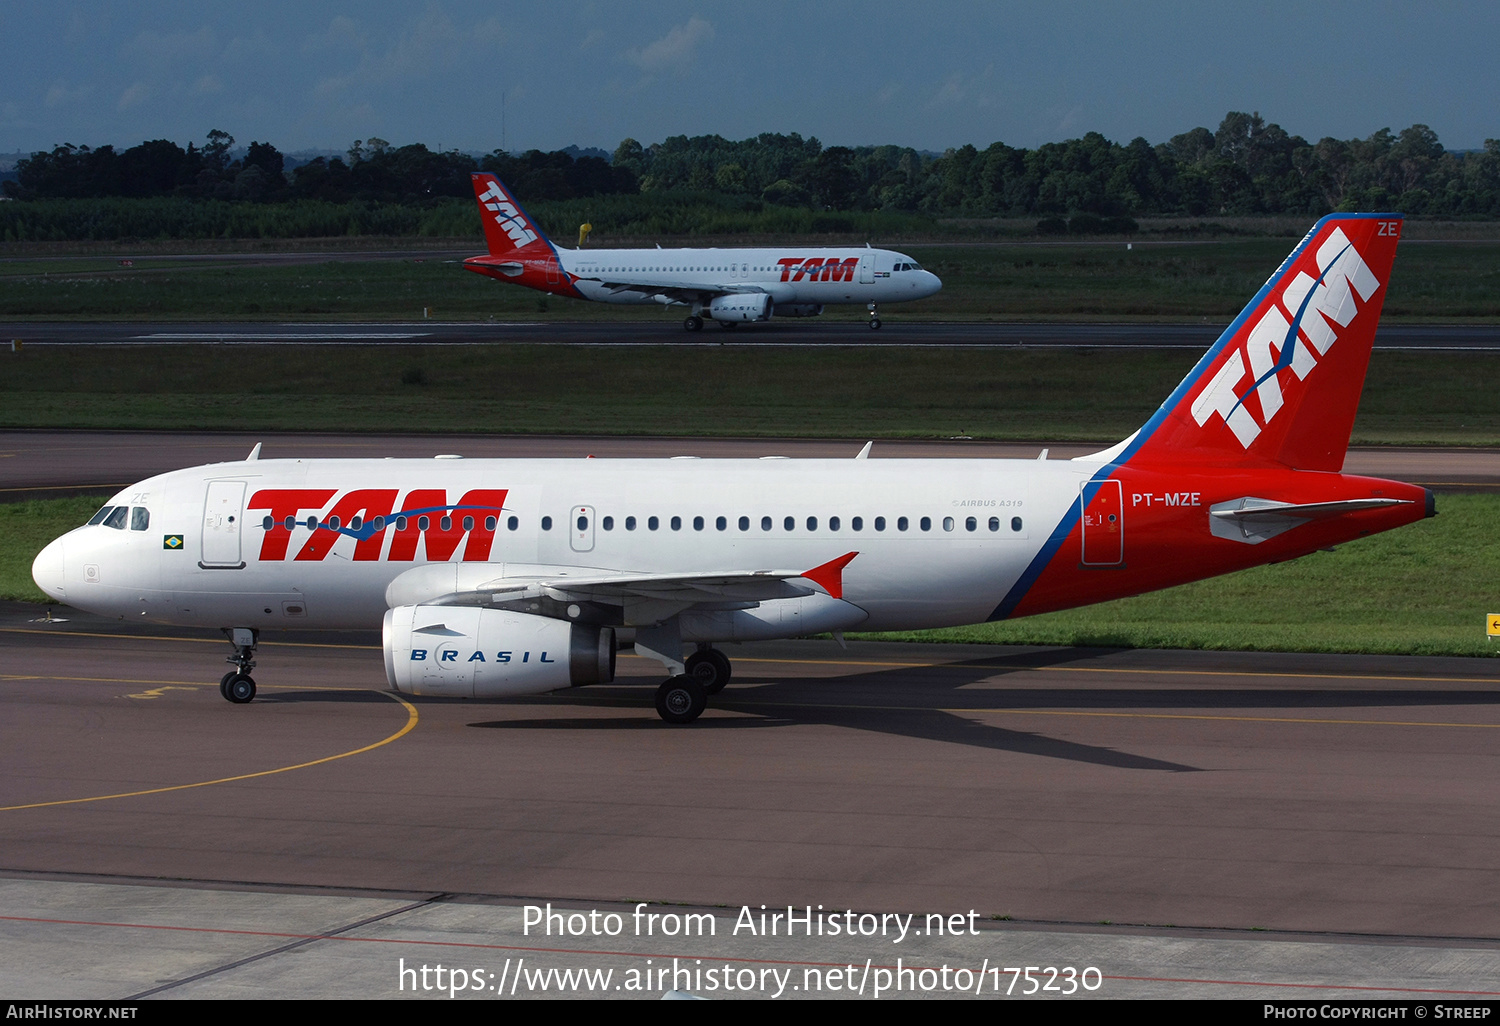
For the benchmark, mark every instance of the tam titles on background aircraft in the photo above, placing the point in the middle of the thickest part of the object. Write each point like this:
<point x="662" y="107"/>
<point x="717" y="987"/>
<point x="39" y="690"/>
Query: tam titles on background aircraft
<point x="500" y="577"/>
<point x="730" y="286"/>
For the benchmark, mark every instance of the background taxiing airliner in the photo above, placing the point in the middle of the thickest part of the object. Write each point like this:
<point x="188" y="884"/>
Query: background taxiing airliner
<point x="500" y="577"/>
<point x="730" y="286"/>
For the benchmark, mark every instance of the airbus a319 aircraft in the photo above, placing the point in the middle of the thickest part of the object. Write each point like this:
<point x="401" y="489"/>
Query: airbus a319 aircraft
<point x="506" y="577"/>
<point x="731" y="286"/>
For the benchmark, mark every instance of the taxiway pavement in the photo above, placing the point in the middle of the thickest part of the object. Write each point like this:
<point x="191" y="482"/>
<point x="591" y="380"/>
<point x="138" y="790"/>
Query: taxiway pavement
<point x="896" y="332"/>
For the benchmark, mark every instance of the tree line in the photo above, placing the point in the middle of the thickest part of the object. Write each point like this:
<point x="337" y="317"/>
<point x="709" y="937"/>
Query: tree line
<point x="373" y="171"/>
<point x="1246" y="167"/>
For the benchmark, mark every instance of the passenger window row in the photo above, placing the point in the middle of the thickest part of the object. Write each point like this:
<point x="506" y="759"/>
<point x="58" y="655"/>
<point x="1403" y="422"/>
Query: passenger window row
<point x="468" y="523"/>
<point x="767" y="523"/>
<point x="400" y="523"/>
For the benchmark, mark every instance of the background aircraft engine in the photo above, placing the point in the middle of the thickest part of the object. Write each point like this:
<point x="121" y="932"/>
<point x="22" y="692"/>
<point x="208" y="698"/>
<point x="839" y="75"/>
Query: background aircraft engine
<point x="798" y="309"/>
<point x="472" y="652"/>
<point x="746" y="307"/>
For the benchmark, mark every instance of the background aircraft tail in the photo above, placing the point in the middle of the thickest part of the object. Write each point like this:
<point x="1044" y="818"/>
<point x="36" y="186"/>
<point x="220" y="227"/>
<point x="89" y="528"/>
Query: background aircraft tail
<point x="1282" y="383"/>
<point x="508" y="229"/>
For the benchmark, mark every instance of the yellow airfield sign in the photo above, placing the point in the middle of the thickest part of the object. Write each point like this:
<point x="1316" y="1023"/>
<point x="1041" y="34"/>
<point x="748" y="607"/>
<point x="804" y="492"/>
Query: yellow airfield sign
<point x="1492" y="624"/>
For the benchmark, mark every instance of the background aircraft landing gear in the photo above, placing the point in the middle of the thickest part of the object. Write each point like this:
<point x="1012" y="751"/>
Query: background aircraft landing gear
<point x="693" y="323"/>
<point x="237" y="685"/>
<point x="874" y="318"/>
<point x="681" y="699"/>
<point x="710" y="668"/>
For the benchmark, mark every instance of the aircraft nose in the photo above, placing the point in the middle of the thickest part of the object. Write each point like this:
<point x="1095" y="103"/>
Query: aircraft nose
<point x="934" y="284"/>
<point x="47" y="570"/>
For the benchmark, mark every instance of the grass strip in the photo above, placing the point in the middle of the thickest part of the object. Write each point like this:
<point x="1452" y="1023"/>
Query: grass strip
<point x="836" y="392"/>
<point x="1434" y="281"/>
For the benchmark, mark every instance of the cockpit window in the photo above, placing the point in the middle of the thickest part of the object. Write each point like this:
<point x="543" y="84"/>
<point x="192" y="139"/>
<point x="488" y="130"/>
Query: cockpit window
<point x="140" y="518"/>
<point x="117" y="518"/>
<point x="98" y="518"/>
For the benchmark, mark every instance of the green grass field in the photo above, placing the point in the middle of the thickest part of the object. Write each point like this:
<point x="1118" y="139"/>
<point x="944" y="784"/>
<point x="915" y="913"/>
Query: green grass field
<point x="1156" y="281"/>
<point x="1059" y="395"/>
<point x="1421" y="589"/>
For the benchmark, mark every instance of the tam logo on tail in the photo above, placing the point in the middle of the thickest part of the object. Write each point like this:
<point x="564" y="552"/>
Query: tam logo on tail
<point x="507" y="215"/>
<point x="1283" y="381"/>
<point x="1276" y="343"/>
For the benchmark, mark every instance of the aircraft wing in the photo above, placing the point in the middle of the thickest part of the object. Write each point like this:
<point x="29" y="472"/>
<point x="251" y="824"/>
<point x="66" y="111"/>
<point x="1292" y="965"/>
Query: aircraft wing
<point x="684" y="292"/>
<point x="648" y="597"/>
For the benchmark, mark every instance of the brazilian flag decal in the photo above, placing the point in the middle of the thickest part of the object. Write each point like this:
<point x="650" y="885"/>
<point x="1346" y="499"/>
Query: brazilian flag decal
<point x="172" y="541"/>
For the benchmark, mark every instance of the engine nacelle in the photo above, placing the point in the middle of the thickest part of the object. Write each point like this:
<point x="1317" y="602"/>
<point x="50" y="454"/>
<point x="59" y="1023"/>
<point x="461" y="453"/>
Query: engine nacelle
<point x="474" y="652"/>
<point x="798" y="309"/>
<point x="748" y="306"/>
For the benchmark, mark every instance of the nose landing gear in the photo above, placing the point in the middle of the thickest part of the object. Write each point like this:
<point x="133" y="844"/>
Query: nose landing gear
<point x="874" y="318"/>
<point x="237" y="685"/>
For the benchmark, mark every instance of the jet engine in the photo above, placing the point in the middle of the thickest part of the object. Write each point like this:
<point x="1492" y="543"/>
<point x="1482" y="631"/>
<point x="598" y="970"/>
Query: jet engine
<point x="474" y="652"/>
<point x="798" y="309"/>
<point x="748" y="306"/>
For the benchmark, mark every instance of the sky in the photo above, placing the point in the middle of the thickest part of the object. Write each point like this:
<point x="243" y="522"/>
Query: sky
<point x="931" y="74"/>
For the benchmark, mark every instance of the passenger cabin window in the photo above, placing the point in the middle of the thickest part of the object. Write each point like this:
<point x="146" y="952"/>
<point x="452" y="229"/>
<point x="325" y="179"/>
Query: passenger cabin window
<point x="512" y="523"/>
<point x="546" y="523"/>
<point x="652" y="523"/>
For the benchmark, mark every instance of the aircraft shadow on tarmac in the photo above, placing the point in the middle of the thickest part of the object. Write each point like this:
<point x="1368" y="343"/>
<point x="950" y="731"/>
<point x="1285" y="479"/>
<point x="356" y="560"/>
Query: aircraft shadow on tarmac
<point x="906" y="701"/>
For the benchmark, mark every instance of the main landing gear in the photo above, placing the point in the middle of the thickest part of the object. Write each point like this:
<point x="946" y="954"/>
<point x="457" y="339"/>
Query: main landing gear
<point x="874" y="318"/>
<point x="682" y="698"/>
<point x="237" y="685"/>
<point x="693" y="323"/>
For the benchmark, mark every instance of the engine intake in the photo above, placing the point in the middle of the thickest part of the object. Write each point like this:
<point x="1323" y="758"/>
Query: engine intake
<point x="472" y="652"/>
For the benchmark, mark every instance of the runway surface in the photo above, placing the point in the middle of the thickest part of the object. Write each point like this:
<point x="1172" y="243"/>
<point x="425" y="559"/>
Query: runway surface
<point x="1346" y="801"/>
<point x="896" y="332"/>
<point x="35" y="464"/>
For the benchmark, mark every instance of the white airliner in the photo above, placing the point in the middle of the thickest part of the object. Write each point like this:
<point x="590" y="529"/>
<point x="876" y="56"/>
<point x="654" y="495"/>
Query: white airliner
<point x="502" y="577"/>
<point x="730" y="286"/>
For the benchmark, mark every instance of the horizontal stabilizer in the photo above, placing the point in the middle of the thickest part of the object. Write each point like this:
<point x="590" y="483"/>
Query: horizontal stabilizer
<point x="1253" y="520"/>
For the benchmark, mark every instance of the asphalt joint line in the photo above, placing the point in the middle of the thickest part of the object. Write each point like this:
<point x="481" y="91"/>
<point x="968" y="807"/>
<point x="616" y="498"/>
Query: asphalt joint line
<point x="294" y="945"/>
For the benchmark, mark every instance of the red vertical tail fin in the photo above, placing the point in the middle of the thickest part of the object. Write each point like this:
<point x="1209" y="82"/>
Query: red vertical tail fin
<point x="1282" y="383"/>
<point x="508" y="230"/>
